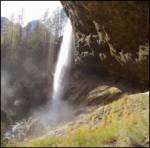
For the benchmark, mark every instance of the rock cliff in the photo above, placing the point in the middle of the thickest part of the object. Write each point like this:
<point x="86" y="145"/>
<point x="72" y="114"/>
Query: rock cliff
<point x="111" y="36"/>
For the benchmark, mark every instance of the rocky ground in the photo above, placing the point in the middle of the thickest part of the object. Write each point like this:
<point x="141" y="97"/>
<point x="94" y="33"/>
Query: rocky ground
<point x="110" y="118"/>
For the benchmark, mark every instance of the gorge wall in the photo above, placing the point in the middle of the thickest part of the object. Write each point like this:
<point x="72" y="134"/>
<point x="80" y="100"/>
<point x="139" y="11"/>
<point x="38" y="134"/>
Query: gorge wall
<point x="111" y="36"/>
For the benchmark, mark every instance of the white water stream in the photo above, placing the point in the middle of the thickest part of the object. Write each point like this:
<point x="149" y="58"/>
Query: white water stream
<point x="62" y="62"/>
<point x="60" y="110"/>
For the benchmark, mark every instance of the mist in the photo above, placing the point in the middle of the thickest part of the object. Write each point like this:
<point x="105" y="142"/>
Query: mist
<point x="34" y="76"/>
<point x="28" y="63"/>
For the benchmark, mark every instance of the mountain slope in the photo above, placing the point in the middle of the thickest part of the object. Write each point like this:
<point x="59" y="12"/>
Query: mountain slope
<point x="123" y="122"/>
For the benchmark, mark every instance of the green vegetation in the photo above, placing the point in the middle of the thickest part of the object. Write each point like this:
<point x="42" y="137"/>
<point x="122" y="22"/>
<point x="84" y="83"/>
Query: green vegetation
<point x="28" y="55"/>
<point x="123" y="123"/>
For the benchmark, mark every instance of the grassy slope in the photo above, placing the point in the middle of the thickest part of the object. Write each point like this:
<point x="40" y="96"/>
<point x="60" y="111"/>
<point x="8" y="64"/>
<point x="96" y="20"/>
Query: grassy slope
<point x="121" y="123"/>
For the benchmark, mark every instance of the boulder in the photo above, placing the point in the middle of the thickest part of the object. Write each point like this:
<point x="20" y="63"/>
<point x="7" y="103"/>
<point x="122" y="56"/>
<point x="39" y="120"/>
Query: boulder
<point x="102" y="94"/>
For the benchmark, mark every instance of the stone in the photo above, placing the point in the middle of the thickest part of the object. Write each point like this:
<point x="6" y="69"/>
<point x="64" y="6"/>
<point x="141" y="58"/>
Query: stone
<point x="101" y="109"/>
<point x="103" y="94"/>
<point x="116" y="32"/>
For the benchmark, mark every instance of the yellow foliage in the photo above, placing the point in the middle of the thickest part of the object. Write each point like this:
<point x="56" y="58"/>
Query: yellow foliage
<point x="123" y="128"/>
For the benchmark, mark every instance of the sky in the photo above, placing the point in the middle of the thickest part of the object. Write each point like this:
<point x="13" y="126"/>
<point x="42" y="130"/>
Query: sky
<point x="32" y="10"/>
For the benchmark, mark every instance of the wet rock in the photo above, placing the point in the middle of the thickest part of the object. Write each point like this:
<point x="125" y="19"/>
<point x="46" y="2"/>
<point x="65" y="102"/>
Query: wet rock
<point x="22" y="129"/>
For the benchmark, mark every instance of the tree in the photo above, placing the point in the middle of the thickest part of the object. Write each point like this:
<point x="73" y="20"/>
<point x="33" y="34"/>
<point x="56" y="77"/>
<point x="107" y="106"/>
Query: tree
<point x="11" y="28"/>
<point x="59" y="19"/>
<point x="20" y="21"/>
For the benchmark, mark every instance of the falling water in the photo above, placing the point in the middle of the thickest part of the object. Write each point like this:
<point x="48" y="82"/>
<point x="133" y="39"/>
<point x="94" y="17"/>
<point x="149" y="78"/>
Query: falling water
<point x="59" y="109"/>
<point x="63" y="62"/>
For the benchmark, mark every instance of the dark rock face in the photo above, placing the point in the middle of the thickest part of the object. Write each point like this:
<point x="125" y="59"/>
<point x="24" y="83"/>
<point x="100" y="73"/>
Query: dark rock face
<point x="112" y="36"/>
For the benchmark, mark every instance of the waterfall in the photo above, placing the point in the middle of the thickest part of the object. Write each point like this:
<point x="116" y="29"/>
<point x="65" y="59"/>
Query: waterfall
<point x="60" y="110"/>
<point x="62" y="62"/>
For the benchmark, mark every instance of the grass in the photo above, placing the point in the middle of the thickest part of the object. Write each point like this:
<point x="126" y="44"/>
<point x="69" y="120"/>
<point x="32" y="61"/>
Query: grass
<point x="123" y="124"/>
